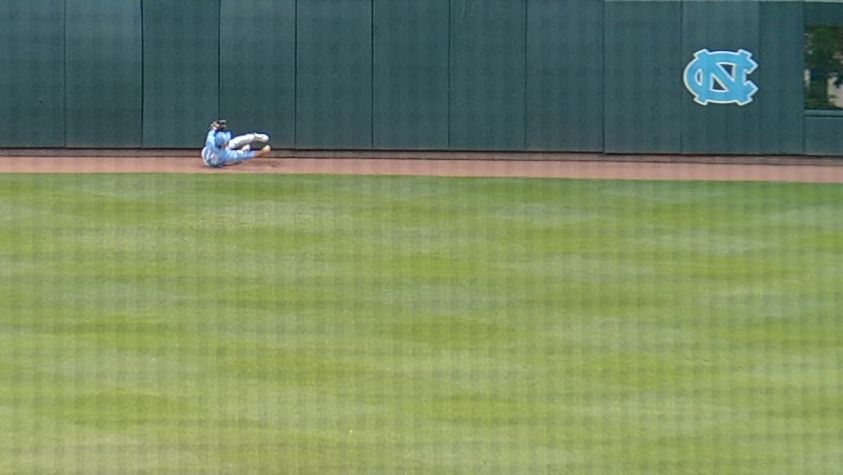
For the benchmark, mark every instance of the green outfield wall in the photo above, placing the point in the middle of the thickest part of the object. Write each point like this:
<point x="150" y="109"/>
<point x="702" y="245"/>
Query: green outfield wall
<point x="103" y="67"/>
<point x="257" y="74"/>
<point x="32" y="75"/>
<point x="614" y="76"/>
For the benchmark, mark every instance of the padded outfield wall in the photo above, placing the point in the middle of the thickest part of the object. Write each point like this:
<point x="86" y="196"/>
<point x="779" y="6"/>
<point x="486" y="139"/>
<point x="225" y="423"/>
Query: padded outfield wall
<point x="519" y="75"/>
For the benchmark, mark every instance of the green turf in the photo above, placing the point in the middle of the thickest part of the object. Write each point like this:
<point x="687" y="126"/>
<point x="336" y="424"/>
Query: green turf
<point x="258" y="324"/>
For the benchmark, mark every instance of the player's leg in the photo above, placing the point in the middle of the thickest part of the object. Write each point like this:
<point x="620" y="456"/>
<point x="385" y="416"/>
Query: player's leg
<point x="240" y="141"/>
<point x="264" y="151"/>
<point x="210" y="158"/>
<point x="233" y="157"/>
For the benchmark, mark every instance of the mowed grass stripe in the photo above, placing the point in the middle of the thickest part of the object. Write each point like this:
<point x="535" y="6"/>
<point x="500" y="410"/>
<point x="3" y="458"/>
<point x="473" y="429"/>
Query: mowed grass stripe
<point x="323" y="324"/>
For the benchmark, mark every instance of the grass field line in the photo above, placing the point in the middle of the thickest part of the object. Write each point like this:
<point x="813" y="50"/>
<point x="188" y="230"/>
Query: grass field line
<point x="188" y="323"/>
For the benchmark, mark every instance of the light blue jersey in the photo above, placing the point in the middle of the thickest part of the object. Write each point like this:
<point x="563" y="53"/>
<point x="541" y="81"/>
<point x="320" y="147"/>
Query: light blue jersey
<point x="217" y="154"/>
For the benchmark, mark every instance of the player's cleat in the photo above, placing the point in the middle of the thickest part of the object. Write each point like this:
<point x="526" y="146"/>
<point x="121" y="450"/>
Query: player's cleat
<point x="264" y="151"/>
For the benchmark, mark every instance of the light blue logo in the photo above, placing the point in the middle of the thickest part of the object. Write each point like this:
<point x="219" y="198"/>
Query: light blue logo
<point x="720" y="77"/>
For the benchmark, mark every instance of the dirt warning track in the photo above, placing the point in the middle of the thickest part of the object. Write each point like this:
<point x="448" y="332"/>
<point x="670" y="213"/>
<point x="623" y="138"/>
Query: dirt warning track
<point x="580" y="166"/>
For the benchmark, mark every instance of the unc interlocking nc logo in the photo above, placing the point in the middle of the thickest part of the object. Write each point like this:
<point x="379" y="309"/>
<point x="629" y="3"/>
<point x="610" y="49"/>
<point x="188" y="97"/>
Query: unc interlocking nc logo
<point x="719" y="77"/>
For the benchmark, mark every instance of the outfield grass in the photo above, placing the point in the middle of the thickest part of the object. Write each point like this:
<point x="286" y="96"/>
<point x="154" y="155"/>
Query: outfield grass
<point x="237" y="323"/>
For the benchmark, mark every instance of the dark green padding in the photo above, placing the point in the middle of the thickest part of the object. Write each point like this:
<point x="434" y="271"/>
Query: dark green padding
<point x="643" y="84"/>
<point x="257" y="67"/>
<point x="103" y="73"/>
<point x="410" y="74"/>
<point x="31" y="73"/>
<point x="334" y="74"/>
<point x="721" y="128"/>
<point x="180" y="71"/>
<point x="780" y="74"/>
<point x="565" y="75"/>
<point x="488" y="73"/>
<point x="824" y="13"/>
<point x="824" y="135"/>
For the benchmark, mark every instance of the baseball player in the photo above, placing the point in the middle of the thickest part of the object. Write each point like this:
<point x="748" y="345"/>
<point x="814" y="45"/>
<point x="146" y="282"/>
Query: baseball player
<point x="221" y="150"/>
